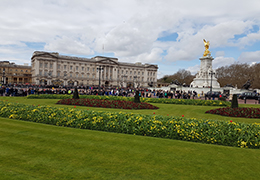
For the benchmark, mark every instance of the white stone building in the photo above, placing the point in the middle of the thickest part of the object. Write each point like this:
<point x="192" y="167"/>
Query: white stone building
<point x="51" y="68"/>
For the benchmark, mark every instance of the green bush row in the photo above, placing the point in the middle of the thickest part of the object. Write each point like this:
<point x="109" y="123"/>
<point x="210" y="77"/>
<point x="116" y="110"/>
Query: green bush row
<point x="196" y="102"/>
<point x="205" y="131"/>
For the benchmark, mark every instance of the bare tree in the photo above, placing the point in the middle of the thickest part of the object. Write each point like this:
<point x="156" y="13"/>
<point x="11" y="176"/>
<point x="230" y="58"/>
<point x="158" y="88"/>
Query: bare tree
<point x="182" y="76"/>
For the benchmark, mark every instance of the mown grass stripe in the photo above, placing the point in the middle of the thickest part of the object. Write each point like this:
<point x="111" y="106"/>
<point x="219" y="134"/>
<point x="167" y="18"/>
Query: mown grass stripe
<point x="101" y="155"/>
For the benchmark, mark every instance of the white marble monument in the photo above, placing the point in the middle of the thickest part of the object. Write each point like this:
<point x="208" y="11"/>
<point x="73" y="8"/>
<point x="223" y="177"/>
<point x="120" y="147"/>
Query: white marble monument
<point x="206" y="74"/>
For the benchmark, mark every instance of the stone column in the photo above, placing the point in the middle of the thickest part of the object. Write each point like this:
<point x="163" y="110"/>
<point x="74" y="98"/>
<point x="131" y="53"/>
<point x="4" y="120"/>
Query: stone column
<point x="54" y="68"/>
<point x="108" y="74"/>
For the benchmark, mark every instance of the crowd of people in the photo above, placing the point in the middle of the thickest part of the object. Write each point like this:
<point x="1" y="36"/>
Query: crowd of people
<point x="24" y="90"/>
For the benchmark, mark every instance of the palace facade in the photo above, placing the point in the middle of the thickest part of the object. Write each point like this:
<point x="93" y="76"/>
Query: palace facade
<point x="12" y="73"/>
<point x="51" y="68"/>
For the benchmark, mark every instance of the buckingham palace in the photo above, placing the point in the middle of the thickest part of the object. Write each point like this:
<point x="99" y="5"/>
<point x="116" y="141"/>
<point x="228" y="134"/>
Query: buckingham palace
<point x="51" y="68"/>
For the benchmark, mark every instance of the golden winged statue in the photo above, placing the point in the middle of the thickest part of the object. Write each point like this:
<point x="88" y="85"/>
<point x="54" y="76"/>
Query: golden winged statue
<point x="206" y="45"/>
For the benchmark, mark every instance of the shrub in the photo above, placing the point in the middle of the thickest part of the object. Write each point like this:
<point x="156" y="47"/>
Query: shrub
<point x="234" y="103"/>
<point x="222" y="98"/>
<point x="75" y="94"/>
<point x="137" y="97"/>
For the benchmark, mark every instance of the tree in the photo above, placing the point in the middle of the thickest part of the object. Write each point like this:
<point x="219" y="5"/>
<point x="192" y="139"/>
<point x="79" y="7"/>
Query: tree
<point x="235" y="74"/>
<point x="182" y="76"/>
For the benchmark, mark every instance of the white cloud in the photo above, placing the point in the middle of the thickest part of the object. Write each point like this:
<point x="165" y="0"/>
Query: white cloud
<point x="249" y="39"/>
<point x="151" y="57"/>
<point x="129" y="29"/>
<point x="69" y="45"/>
<point x="190" y="46"/>
<point x="160" y="74"/>
<point x="220" y="53"/>
<point x="194" y="69"/>
<point x="222" y="61"/>
<point x="249" y="57"/>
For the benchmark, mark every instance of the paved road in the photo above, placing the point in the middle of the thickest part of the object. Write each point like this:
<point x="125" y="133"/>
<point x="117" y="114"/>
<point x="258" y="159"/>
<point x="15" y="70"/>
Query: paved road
<point x="248" y="101"/>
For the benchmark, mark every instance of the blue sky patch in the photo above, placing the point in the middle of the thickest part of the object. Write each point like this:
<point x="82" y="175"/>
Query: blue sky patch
<point x="35" y="45"/>
<point x="169" y="37"/>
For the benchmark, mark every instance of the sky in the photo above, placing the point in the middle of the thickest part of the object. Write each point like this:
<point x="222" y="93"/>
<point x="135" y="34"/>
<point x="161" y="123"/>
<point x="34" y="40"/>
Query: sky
<point x="168" y="33"/>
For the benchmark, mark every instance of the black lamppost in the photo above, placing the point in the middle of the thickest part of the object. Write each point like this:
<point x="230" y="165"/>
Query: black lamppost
<point x="100" y="68"/>
<point x="3" y="76"/>
<point x="211" y="73"/>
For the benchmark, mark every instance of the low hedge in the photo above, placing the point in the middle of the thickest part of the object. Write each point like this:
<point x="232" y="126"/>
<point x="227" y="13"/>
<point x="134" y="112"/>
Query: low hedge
<point x="196" y="102"/>
<point x="205" y="131"/>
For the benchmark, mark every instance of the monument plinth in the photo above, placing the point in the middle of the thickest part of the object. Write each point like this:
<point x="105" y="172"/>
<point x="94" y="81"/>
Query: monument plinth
<point x="206" y="74"/>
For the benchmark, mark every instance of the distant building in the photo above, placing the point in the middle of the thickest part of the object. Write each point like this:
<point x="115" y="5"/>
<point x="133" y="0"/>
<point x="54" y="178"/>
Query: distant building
<point x="51" y="68"/>
<point x="12" y="73"/>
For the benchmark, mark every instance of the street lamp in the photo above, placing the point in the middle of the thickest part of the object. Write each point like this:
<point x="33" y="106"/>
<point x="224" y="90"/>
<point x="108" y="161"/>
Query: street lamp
<point x="99" y="69"/>
<point x="211" y="73"/>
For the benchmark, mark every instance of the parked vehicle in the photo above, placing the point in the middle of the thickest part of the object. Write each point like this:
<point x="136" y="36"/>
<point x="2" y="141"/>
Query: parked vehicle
<point x="249" y="95"/>
<point x="216" y="94"/>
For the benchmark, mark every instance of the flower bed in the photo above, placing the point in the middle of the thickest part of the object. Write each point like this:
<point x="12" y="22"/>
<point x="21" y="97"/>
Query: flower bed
<point x="237" y="112"/>
<point x="205" y="131"/>
<point x="107" y="103"/>
<point x="196" y="102"/>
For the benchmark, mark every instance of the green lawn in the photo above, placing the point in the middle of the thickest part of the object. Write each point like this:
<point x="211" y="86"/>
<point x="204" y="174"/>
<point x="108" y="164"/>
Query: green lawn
<point x="39" y="151"/>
